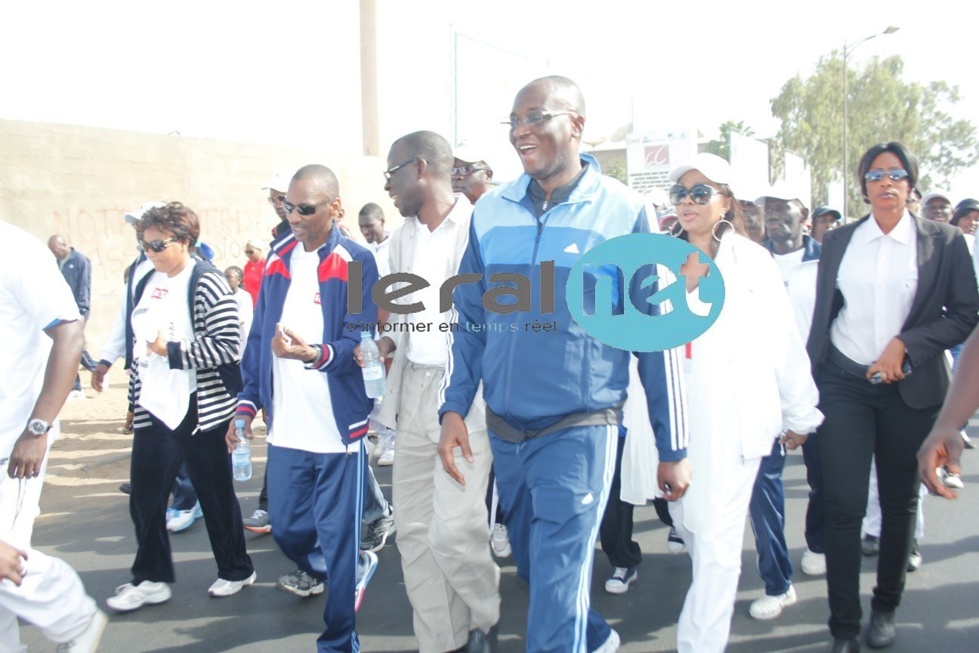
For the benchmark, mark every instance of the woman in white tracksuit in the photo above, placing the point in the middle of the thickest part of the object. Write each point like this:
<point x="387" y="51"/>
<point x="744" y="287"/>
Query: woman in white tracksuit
<point x="748" y="382"/>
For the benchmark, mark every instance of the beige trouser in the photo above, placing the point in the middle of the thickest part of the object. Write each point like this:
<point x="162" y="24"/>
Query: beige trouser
<point x="451" y="579"/>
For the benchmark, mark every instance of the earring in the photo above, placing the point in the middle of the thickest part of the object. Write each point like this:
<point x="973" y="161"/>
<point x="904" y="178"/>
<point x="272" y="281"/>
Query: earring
<point x="713" y="231"/>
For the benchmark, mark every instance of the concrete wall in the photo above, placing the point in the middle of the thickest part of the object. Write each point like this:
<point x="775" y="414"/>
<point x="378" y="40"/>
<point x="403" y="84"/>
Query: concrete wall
<point x="80" y="181"/>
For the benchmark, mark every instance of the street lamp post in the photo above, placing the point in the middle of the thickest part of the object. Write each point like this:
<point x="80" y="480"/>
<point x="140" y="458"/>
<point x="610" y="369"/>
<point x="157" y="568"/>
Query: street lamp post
<point x="847" y="49"/>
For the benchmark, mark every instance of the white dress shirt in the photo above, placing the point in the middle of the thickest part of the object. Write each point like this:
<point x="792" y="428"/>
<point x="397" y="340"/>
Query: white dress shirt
<point x="878" y="277"/>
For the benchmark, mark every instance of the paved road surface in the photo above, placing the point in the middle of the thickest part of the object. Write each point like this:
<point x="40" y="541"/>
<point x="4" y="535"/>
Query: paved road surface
<point x="86" y="521"/>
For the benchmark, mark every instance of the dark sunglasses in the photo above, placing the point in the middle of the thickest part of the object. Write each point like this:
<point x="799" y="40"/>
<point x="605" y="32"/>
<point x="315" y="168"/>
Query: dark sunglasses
<point x="302" y="209"/>
<point x="699" y="193"/>
<point x="158" y="246"/>
<point x="391" y="171"/>
<point x="896" y="174"/>
<point x="276" y="199"/>
<point x="465" y="171"/>
<point x="534" y="118"/>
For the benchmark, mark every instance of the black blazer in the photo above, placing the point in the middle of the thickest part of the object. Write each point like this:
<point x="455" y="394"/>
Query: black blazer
<point x="944" y="311"/>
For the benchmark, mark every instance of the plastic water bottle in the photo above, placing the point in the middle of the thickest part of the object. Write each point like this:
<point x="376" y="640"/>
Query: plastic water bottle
<point x="374" y="377"/>
<point x="241" y="458"/>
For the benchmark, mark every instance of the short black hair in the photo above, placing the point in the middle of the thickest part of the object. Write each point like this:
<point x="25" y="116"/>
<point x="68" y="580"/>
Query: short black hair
<point x="431" y="147"/>
<point x="234" y="269"/>
<point x="371" y="210"/>
<point x="321" y="176"/>
<point x="908" y="162"/>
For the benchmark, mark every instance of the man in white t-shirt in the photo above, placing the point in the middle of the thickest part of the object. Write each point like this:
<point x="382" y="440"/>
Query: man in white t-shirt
<point x="785" y="214"/>
<point x="450" y="577"/>
<point x="40" y="347"/>
<point x="299" y="366"/>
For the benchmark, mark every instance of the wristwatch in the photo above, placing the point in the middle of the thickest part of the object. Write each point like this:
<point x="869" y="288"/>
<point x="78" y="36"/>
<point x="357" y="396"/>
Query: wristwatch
<point x="38" y="426"/>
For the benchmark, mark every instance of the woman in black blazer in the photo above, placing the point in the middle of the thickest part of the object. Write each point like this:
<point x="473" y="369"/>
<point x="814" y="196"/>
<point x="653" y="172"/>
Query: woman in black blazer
<point x="893" y="293"/>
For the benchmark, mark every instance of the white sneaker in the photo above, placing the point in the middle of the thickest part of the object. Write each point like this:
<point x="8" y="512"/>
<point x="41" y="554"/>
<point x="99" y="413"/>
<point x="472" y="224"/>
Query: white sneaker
<point x="610" y="645"/>
<point x="88" y="640"/>
<point x="222" y="587"/>
<point x="132" y="597"/>
<point x="181" y="520"/>
<point x="813" y="564"/>
<point x="75" y="395"/>
<point x="769" y="607"/>
<point x="500" y="541"/>
<point x="386" y="458"/>
<point x="675" y="543"/>
<point x="950" y="479"/>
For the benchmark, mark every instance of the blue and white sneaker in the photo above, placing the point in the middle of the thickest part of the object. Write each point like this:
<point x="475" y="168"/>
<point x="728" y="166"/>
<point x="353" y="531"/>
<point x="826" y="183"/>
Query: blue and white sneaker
<point x="181" y="520"/>
<point x="621" y="579"/>
<point x="366" y="566"/>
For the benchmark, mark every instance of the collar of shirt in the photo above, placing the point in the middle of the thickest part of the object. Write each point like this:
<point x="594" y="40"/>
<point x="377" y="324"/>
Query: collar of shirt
<point x="457" y="215"/>
<point x="558" y="195"/>
<point x="903" y="232"/>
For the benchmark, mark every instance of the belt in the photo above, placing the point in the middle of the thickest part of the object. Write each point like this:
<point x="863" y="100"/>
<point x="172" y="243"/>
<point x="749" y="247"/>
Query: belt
<point x="846" y="364"/>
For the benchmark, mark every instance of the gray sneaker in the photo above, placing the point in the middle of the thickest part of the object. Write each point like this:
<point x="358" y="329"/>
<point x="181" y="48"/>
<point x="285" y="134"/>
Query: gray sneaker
<point x="301" y="584"/>
<point x="258" y="522"/>
<point x="378" y="532"/>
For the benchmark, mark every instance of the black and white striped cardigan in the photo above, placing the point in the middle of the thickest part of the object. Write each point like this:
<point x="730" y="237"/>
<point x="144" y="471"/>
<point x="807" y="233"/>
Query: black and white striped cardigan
<point x="216" y="338"/>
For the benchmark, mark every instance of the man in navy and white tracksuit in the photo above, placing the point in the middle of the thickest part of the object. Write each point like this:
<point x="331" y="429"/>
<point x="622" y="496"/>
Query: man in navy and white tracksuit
<point x="313" y="393"/>
<point x="553" y="399"/>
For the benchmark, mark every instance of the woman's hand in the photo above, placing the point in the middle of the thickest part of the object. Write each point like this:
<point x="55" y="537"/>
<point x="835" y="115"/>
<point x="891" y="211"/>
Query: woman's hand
<point x="890" y="362"/>
<point x="158" y="346"/>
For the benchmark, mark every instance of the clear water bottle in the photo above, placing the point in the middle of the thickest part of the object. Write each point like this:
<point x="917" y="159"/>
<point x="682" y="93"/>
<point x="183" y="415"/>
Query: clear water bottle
<point x="241" y="457"/>
<point x="374" y="377"/>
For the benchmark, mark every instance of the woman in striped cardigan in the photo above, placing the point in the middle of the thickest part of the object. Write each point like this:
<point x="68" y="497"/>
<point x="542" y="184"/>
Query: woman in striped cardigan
<point x="182" y="397"/>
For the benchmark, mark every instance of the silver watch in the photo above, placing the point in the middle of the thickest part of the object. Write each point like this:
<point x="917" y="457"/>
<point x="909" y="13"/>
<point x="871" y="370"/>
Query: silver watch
<point x="38" y="426"/>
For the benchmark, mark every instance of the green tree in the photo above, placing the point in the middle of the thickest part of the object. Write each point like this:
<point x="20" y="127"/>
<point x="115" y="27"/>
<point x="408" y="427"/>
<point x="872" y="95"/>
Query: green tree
<point x="722" y="146"/>
<point x="882" y="107"/>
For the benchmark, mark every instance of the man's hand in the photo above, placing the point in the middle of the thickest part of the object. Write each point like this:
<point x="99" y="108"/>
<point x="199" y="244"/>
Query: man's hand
<point x="384" y="347"/>
<point x="231" y="438"/>
<point x="454" y="434"/>
<point x="942" y="448"/>
<point x="792" y="440"/>
<point x="12" y="563"/>
<point x="286" y="344"/>
<point x="27" y="456"/>
<point x="674" y="478"/>
<point x="98" y="376"/>
<point x="890" y="362"/>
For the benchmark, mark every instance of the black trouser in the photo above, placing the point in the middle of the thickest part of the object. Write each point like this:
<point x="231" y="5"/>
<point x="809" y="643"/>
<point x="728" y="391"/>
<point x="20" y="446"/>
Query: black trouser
<point x="863" y="421"/>
<point x="616" y="528"/>
<point x="814" y="510"/>
<point x="157" y="454"/>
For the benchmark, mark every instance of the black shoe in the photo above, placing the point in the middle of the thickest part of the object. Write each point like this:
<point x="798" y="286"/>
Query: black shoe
<point x="480" y="642"/>
<point x="126" y="488"/>
<point x="870" y="545"/>
<point x="881" y="631"/>
<point x="846" y="645"/>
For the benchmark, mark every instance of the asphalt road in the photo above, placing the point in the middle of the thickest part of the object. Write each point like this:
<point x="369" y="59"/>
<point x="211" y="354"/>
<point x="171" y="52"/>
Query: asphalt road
<point x="86" y="522"/>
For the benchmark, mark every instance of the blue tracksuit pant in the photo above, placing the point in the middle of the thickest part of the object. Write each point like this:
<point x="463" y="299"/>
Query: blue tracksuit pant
<point x="767" y="511"/>
<point x="553" y="491"/>
<point x="313" y="498"/>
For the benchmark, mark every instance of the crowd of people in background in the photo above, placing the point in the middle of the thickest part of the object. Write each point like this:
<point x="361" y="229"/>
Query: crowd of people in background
<point x="505" y="442"/>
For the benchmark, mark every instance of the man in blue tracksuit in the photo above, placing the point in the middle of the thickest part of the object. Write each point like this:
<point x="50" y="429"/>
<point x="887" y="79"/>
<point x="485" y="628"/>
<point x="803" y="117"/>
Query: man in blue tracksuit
<point x="299" y="366"/>
<point x="553" y="396"/>
<point x="785" y="217"/>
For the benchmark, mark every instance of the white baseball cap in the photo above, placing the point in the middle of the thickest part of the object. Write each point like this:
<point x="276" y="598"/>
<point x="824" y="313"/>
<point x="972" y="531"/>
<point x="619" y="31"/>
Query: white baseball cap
<point x="711" y="166"/>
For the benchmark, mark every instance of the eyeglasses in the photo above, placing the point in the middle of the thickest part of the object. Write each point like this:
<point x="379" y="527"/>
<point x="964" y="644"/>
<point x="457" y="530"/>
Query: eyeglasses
<point x="276" y="199"/>
<point x="534" y="118"/>
<point x="303" y="209"/>
<point x="158" y="246"/>
<point x="465" y="171"/>
<point x="699" y="193"/>
<point x="391" y="171"/>
<point x="895" y="174"/>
